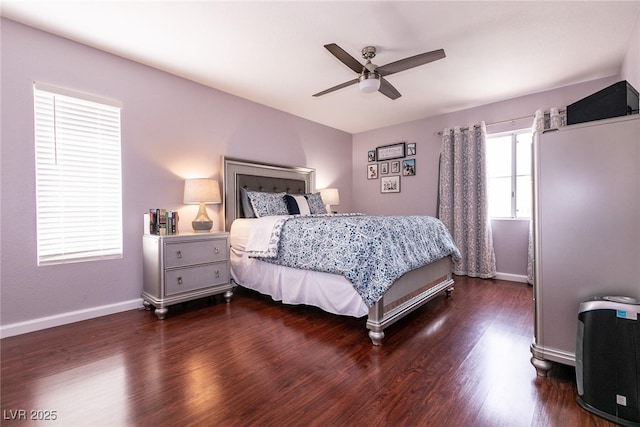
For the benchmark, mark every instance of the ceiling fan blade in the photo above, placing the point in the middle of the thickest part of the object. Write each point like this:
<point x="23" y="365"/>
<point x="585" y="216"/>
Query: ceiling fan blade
<point x="340" y="86"/>
<point x="344" y="57"/>
<point x="410" y="62"/>
<point x="387" y="89"/>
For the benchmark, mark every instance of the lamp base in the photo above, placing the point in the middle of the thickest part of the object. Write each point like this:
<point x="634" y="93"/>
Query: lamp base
<point x="202" y="223"/>
<point x="202" y="226"/>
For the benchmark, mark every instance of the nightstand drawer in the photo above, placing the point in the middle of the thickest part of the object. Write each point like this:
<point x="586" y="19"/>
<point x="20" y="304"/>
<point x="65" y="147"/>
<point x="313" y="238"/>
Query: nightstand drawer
<point x="179" y="254"/>
<point x="202" y="276"/>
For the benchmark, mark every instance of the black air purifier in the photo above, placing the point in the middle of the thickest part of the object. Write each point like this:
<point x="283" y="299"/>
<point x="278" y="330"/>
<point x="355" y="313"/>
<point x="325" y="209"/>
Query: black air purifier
<point x="608" y="358"/>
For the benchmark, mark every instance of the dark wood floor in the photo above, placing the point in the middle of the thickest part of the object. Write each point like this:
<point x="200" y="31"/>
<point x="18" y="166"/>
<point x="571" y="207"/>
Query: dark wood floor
<point x="461" y="361"/>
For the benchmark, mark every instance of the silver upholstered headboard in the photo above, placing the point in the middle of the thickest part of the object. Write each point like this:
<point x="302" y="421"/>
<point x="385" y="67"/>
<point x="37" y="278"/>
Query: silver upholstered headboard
<point x="258" y="176"/>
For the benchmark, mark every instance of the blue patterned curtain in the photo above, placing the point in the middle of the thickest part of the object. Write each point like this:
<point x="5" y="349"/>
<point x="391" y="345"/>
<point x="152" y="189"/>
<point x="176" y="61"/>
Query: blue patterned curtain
<point x="463" y="203"/>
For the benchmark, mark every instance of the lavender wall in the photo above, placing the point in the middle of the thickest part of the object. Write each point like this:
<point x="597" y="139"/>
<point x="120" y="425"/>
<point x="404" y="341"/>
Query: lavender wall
<point x="419" y="193"/>
<point x="630" y="70"/>
<point x="171" y="129"/>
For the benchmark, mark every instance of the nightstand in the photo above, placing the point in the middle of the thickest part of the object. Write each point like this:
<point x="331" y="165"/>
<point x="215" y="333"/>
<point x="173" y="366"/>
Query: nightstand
<point x="183" y="267"/>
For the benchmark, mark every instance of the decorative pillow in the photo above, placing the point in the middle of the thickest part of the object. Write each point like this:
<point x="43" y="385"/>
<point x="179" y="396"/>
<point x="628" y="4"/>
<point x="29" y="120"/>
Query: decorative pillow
<point x="267" y="204"/>
<point x="247" y="209"/>
<point x="297" y="205"/>
<point x="316" y="205"/>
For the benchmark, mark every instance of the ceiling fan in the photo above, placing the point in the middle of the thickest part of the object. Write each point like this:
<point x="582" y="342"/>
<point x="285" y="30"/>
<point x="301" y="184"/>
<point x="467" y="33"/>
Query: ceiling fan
<point x="371" y="77"/>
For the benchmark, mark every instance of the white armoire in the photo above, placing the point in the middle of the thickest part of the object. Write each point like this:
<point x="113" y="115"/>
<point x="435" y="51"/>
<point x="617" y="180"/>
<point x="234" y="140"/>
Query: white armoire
<point x="586" y="227"/>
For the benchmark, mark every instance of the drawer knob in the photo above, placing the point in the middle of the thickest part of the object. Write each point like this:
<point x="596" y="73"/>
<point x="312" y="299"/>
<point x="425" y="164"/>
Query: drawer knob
<point x="179" y="254"/>
<point x="216" y="250"/>
<point x="217" y="274"/>
<point x="179" y="280"/>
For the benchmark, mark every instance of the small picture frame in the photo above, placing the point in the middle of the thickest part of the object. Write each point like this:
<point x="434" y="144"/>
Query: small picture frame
<point x="372" y="171"/>
<point x="409" y="167"/>
<point x="395" y="167"/>
<point x="390" y="184"/>
<point x="384" y="168"/>
<point x="371" y="156"/>
<point x="411" y="149"/>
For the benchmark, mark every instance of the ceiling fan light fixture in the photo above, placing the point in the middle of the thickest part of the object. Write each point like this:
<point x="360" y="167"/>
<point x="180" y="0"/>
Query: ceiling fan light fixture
<point x="369" y="82"/>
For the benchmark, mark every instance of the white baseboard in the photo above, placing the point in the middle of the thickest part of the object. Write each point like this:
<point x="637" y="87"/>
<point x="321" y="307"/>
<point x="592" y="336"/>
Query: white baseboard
<point x="512" y="277"/>
<point x="66" y="318"/>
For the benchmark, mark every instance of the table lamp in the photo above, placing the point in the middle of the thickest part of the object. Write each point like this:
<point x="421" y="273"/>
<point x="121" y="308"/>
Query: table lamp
<point x="201" y="191"/>
<point x="330" y="196"/>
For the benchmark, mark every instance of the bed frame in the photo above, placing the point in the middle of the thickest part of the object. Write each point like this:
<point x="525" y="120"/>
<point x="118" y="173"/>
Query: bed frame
<point x="409" y="292"/>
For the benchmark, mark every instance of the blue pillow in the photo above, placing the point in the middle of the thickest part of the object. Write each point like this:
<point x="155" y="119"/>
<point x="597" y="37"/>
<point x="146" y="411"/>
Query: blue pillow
<point x="247" y="209"/>
<point x="297" y="205"/>
<point x="316" y="205"/>
<point x="267" y="204"/>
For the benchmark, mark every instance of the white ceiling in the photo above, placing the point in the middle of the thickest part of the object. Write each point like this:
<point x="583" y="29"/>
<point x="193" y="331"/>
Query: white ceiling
<point x="272" y="52"/>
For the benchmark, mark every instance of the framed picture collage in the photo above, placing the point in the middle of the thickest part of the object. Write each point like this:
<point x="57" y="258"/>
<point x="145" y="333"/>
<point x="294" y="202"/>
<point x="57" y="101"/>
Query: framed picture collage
<point x="389" y="162"/>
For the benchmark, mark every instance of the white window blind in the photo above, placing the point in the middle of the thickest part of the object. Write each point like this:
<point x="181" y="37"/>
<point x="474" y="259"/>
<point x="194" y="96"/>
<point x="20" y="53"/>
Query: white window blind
<point x="78" y="177"/>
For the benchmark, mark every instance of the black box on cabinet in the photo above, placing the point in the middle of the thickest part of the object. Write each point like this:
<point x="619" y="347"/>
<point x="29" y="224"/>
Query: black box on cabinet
<point x="619" y="99"/>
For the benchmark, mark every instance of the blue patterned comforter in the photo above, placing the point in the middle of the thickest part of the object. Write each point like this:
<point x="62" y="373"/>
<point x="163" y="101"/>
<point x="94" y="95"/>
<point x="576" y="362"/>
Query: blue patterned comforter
<point x="370" y="251"/>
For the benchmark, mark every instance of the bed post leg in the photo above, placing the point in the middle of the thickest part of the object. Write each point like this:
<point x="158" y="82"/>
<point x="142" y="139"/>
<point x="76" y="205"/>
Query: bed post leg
<point x="376" y="337"/>
<point x="374" y="322"/>
<point x="449" y="291"/>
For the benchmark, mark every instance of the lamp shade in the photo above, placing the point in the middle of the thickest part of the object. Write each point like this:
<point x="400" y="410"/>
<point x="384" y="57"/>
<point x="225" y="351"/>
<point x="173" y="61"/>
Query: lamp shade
<point x="330" y="196"/>
<point x="201" y="190"/>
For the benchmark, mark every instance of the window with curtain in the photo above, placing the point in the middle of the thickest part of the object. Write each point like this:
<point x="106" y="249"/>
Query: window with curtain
<point x="509" y="174"/>
<point x="78" y="176"/>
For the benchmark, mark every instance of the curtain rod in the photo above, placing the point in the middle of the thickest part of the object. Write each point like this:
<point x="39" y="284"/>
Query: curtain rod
<point x="439" y="133"/>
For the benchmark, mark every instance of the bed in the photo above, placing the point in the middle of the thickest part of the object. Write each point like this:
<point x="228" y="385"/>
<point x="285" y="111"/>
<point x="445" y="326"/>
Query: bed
<point x="327" y="290"/>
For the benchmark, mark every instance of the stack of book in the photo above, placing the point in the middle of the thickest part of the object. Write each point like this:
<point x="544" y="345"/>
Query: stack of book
<point x="160" y="221"/>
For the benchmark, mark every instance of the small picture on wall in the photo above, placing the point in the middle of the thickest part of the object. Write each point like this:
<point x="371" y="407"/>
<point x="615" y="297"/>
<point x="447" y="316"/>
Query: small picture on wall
<point x="371" y="155"/>
<point x="411" y="149"/>
<point x="384" y="168"/>
<point x="395" y="167"/>
<point x="390" y="184"/>
<point x="372" y="171"/>
<point x="409" y="167"/>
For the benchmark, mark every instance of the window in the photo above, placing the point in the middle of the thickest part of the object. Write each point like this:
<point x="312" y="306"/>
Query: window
<point x="509" y="174"/>
<point x="78" y="177"/>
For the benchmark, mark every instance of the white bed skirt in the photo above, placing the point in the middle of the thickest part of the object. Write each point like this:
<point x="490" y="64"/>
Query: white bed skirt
<point x="330" y="292"/>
